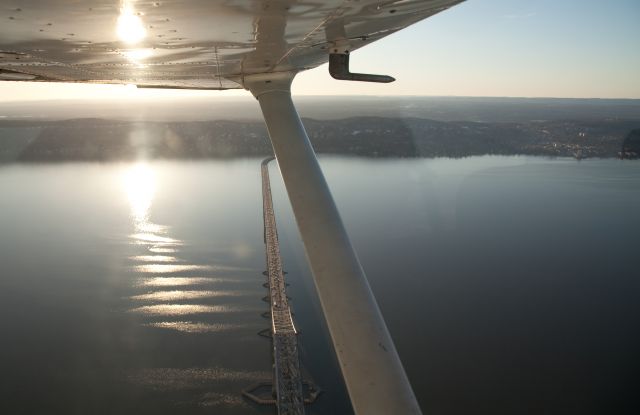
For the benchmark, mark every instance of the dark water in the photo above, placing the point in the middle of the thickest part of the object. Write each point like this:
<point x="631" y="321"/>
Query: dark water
<point x="509" y="284"/>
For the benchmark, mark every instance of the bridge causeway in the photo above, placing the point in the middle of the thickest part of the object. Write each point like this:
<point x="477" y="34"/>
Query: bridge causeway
<point x="288" y="383"/>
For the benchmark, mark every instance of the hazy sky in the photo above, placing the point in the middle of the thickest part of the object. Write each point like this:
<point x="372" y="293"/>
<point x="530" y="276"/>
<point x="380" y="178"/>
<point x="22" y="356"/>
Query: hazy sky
<point x="532" y="48"/>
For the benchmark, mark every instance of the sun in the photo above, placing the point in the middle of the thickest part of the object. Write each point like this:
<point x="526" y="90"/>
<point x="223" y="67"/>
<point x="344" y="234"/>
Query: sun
<point x="129" y="27"/>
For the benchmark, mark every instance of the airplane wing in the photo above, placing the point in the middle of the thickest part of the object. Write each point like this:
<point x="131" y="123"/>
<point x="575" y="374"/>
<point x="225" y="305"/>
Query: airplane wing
<point x="258" y="45"/>
<point x="196" y="44"/>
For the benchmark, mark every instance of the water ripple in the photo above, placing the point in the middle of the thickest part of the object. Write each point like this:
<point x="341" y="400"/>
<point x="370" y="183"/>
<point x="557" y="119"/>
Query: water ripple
<point x="181" y="281"/>
<point x="183" y="309"/>
<point x="175" y="295"/>
<point x="167" y="268"/>
<point x="154" y="258"/>
<point x="173" y="378"/>
<point x="196" y="327"/>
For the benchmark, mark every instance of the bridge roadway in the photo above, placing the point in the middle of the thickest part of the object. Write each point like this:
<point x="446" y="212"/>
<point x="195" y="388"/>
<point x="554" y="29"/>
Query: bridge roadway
<point x="287" y="377"/>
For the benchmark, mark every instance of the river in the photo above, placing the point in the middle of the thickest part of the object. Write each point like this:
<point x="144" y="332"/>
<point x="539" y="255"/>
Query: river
<point x="509" y="284"/>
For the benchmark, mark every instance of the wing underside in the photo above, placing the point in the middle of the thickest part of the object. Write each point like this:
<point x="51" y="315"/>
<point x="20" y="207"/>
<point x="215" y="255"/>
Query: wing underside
<point x="188" y="44"/>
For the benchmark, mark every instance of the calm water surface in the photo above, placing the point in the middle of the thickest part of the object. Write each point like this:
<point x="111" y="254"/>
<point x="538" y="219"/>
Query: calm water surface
<point x="510" y="284"/>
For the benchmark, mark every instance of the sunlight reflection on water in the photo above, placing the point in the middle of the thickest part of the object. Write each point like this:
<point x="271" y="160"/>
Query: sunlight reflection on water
<point x="140" y="185"/>
<point x="162" y="298"/>
<point x="152" y="238"/>
<point x="167" y="268"/>
<point x="171" y="268"/>
<point x="159" y="250"/>
<point x="183" y="295"/>
<point x="196" y="327"/>
<point x="184" y="309"/>
<point x="180" y="281"/>
<point x="154" y="258"/>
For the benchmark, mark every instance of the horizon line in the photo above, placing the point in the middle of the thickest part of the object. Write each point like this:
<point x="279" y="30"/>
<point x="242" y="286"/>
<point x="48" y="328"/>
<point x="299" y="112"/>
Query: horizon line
<point x="249" y="96"/>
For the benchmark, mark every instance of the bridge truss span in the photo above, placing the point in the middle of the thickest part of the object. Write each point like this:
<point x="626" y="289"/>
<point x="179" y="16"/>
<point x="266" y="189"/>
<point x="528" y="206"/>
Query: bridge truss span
<point x="287" y="376"/>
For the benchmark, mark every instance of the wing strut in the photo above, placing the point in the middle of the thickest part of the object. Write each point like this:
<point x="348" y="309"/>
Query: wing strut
<point x="373" y="373"/>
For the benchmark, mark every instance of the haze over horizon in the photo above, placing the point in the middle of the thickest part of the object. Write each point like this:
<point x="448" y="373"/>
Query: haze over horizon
<point x="489" y="48"/>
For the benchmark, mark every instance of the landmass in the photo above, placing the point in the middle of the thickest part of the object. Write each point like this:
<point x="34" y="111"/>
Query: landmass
<point x="110" y="140"/>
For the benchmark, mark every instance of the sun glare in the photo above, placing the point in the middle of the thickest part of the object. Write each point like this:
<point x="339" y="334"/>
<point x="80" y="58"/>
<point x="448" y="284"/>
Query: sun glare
<point x="137" y="55"/>
<point x="130" y="28"/>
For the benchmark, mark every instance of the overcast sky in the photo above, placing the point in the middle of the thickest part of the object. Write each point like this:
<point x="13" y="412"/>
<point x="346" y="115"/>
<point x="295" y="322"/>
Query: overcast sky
<point x="518" y="48"/>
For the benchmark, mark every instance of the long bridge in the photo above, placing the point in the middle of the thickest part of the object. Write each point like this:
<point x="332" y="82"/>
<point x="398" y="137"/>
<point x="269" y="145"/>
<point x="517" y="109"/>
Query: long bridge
<point x="288" y="385"/>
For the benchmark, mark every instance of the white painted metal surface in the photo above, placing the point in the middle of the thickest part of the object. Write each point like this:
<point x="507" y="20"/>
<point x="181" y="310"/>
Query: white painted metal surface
<point x="373" y="373"/>
<point x="207" y="44"/>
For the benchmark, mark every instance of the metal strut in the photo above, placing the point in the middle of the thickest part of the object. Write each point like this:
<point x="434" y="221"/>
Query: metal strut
<point x="371" y="368"/>
<point x="339" y="69"/>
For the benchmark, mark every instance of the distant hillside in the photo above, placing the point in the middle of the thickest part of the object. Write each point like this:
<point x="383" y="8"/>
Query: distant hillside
<point x="105" y="140"/>
<point x="214" y="107"/>
<point x="631" y="145"/>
